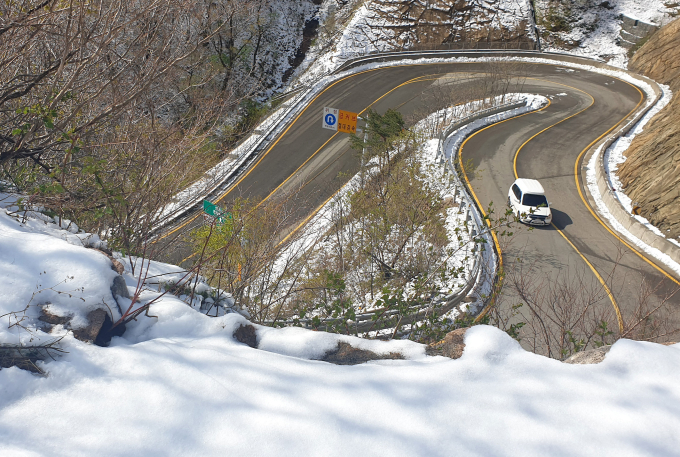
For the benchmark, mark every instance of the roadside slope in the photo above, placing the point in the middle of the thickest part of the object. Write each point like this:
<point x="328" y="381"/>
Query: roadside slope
<point x="651" y="173"/>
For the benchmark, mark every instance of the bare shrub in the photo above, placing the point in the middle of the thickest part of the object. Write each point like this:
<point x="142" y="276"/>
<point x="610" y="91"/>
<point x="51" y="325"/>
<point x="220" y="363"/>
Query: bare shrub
<point x="559" y="315"/>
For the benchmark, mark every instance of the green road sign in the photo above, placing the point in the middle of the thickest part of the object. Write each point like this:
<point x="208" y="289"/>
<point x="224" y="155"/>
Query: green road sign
<point x="210" y="208"/>
<point x="215" y="211"/>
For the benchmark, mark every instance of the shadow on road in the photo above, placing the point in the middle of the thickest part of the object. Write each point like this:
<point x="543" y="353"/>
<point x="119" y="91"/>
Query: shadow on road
<point x="560" y="219"/>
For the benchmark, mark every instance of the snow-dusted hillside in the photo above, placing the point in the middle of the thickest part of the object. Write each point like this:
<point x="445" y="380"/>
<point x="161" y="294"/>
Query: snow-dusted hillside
<point x="592" y="28"/>
<point x="359" y="27"/>
<point x="178" y="383"/>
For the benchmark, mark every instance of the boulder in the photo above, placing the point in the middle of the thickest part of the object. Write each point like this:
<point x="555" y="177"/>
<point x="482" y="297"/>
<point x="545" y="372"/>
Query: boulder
<point x="52" y="319"/>
<point x="95" y="321"/>
<point x="108" y="331"/>
<point x="99" y="329"/>
<point x="115" y="264"/>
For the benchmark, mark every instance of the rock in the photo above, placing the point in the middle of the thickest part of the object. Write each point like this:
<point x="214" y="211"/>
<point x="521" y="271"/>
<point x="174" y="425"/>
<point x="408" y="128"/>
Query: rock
<point x="345" y="354"/>
<point x="651" y="172"/>
<point x="115" y="264"/>
<point x="590" y="356"/>
<point x="246" y="334"/>
<point x="52" y="319"/>
<point x="95" y="321"/>
<point x="452" y="346"/>
<point x="108" y="331"/>
<point x="99" y="329"/>
<point x="24" y="358"/>
<point x="119" y="287"/>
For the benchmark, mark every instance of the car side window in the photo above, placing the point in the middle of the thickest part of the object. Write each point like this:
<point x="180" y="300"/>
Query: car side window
<point x="516" y="191"/>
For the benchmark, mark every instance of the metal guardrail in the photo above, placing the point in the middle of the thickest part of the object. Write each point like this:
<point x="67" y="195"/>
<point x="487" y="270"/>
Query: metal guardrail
<point x="609" y="198"/>
<point x="220" y="182"/>
<point x="302" y="91"/>
<point x="366" y="322"/>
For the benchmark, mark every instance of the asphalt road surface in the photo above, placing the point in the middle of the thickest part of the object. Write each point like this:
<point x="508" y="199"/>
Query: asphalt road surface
<point x="312" y="163"/>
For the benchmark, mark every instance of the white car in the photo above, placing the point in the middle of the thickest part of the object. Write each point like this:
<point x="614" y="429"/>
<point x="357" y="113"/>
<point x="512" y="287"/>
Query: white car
<point x="527" y="199"/>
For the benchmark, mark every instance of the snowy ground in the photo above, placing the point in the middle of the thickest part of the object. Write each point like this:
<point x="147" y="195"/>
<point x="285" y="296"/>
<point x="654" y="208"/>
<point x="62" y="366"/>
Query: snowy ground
<point x="189" y="389"/>
<point x="597" y="28"/>
<point x="179" y="385"/>
<point x="52" y="268"/>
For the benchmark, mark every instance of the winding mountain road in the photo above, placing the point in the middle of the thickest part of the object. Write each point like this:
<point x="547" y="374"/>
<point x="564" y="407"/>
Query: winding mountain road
<point x="547" y="145"/>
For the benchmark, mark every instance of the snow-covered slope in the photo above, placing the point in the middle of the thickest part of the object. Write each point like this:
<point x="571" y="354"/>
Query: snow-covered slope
<point x="179" y="384"/>
<point x="203" y="394"/>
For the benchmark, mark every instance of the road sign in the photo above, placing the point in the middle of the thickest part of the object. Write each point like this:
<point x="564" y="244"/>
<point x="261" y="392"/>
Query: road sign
<point x="214" y="212"/>
<point x="330" y="118"/>
<point x="339" y="120"/>
<point x="347" y="122"/>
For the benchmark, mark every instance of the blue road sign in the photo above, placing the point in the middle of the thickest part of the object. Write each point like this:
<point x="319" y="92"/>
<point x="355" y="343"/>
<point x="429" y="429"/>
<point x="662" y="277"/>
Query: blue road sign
<point x="330" y="118"/>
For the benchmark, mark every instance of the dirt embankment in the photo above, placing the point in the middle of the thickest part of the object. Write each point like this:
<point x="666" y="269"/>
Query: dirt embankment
<point x="414" y="24"/>
<point x="651" y="173"/>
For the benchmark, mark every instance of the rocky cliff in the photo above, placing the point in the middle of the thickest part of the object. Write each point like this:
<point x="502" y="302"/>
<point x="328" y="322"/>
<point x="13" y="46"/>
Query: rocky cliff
<point x="651" y="173"/>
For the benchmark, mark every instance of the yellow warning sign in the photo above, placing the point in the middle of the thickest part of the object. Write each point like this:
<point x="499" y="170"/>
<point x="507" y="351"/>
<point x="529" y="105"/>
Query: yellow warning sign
<point x="347" y="122"/>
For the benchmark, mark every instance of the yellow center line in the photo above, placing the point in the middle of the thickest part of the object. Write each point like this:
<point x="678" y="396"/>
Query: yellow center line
<point x="251" y="168"/>
<point x="309" y="217"/>
<point x="316" y="210"/>
<point x="467" y="181"/>
<point x="479" y="204"/>
<point x="410" y="81"/>
<point x="590" y="265"/>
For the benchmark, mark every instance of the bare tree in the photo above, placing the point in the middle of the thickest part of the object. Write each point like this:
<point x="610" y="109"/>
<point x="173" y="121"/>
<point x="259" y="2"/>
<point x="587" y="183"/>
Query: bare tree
<point x="107" y="109"/>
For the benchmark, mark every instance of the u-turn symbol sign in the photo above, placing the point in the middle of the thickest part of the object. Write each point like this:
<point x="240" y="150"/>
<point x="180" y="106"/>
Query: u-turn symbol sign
<point x="330" y="118"/>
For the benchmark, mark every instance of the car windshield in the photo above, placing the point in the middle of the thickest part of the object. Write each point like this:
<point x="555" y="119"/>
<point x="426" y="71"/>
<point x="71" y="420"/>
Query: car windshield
<point x="534" y="200"/>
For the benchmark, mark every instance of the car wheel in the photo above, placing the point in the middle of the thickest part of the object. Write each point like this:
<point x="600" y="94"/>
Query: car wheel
<point x="509" y="204"/>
